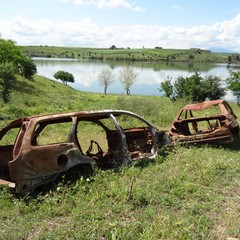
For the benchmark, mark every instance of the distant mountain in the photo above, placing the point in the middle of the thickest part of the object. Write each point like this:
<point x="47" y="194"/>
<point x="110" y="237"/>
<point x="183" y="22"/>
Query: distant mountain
<point x="222" y="50"/>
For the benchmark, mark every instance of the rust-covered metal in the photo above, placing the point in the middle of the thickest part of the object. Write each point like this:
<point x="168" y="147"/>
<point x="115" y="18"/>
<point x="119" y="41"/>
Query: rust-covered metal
<point x="206" y="122"/>
<point x="46" y="146"/>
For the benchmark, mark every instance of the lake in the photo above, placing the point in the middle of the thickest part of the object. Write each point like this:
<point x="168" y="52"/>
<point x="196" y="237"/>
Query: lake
<point x="150" y="75"/>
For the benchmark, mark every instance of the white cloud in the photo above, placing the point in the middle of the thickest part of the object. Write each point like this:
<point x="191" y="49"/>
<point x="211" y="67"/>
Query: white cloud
<point x="111" y="4"/>
<point x="87" y="33"/>
<point x="177" y="7"/>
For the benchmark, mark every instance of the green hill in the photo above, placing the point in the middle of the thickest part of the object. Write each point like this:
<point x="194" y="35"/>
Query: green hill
<point x="119" y="54"/>
<point x="186" y="193"/>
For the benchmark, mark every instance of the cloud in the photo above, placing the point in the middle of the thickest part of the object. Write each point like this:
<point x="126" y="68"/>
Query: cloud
<point x="177" y="7"/>
<point x="86" y="33"/>
<point x="111" y="4"/>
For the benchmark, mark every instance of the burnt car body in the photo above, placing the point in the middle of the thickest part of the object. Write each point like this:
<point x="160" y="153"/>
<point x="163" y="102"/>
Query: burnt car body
<point x="206" y="122"/>
<point x="36" y="150"/>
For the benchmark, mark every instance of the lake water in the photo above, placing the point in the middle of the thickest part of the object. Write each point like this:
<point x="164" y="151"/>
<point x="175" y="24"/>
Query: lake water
<point x="150" y="75"/>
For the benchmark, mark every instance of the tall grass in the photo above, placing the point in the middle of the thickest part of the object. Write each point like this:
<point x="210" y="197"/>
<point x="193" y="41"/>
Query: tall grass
<point x="192" y="194"/>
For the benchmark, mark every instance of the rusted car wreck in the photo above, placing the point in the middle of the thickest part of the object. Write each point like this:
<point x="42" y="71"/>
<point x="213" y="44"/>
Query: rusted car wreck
<point x="207" y="122"/>
<point x="36" y="150"/>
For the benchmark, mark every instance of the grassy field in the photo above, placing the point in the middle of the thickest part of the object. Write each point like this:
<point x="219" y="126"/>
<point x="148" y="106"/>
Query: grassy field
<point x="144" y="54"/>
<point x="186" y="193"/>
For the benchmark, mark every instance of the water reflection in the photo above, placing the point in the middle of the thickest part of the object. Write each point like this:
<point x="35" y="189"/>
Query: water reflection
<point x="150" y="75"/>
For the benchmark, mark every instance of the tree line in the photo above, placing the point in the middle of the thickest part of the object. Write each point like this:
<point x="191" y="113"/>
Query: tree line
<point x="127" y="77"/>
<point x="197" y="88"/>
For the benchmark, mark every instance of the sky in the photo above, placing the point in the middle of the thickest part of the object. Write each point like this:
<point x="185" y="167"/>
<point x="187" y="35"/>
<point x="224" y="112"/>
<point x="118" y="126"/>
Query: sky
<point x="181" y="24"/>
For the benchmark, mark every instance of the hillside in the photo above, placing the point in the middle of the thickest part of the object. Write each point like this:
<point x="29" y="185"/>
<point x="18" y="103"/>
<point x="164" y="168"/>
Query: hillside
<point x="186" y="193"/>
<point x="120" y="54"/>
<point x="42" y="95"/>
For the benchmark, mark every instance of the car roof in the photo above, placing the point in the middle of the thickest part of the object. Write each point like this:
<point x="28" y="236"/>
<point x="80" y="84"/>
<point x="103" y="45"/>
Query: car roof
<point x="202" y="105"/>
<point x="93" y="114"/>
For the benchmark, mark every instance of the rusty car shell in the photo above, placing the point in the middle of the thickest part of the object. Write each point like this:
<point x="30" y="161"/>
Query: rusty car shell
<point x="195" y="123"/>
<point x="30" y="160"/>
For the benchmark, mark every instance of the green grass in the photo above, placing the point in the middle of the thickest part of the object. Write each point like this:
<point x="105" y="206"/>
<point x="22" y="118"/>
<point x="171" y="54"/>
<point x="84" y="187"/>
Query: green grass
<point x="186" y="193"/>
<point x="42" y="95"/>
<point x="139" y="55"/>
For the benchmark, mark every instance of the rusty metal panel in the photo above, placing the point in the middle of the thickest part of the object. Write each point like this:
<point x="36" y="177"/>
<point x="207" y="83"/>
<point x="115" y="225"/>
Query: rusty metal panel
<point x="203" y="105"/>
<point x="218" y="128"/>
<point x="8" y="183"/>
<point x="27" y="162"/>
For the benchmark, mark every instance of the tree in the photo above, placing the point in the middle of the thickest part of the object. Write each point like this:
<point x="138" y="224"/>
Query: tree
<point x="167" y="87"/>
<point x="189" y="87"/>
<point x="213" y="87"/>
<point x="11" y="53"/>
<point x="65" y="77"/>
<point x="7" y="79"/>
<point x="11" y="57"/>
<point x="27" y="68"/>
<point x="105" y="78"/>
<point x="198" y="89"/>
<point x="113" y="47"/>
<point x="179" y="87"/>
<point x="233" y="83"/>
<point x="128" y="77"/>
<point x="194" y="88"/>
